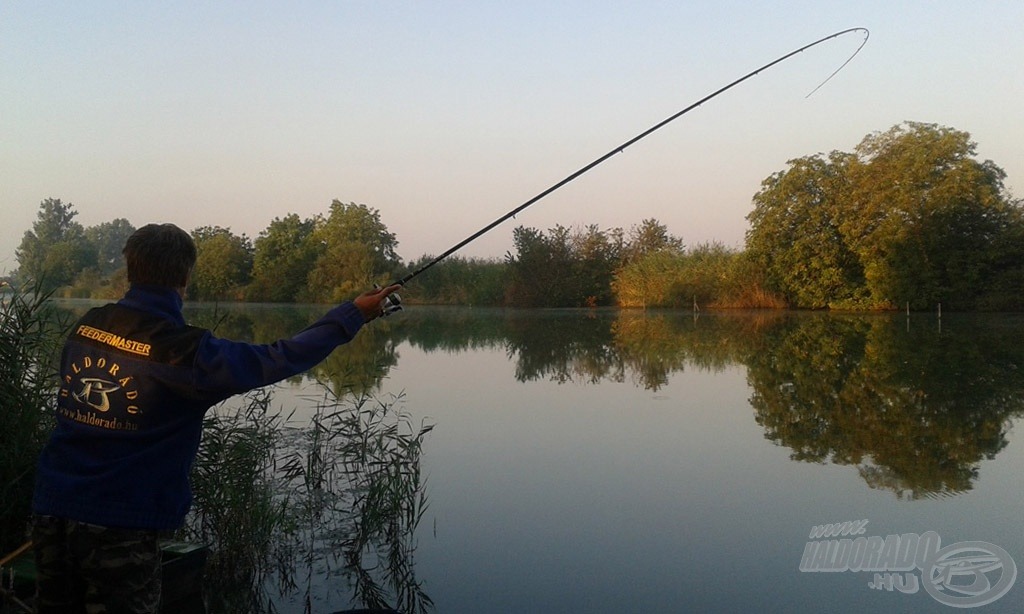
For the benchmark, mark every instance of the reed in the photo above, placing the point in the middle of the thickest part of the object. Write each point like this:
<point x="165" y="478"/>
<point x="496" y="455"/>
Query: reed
<point x="31" y="334"/>
<point x="298" y="509"/>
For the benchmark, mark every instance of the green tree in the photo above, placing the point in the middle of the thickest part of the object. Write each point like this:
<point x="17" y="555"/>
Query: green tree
<point x="563" y="267"/>
<point x="223" y="264"/>
<point x="108" y="239"/>
<point x="598" y="254"/>
<point x="285" y="252"/>
<point x="649" y="237"/>
<point x="795" y="233"/>
<point x="1006" y="276"/>
<point x="56" y="249"/>
<point x="543" y="272"/>
<point x="910" y="217"/>
<point x="923" y="214"/>
<point x="357" y="251"/>
<point x="533" y="273"/>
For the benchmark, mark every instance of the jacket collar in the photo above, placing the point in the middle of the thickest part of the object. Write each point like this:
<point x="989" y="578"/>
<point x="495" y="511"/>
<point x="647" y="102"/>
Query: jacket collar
<point x="160" y="300"/>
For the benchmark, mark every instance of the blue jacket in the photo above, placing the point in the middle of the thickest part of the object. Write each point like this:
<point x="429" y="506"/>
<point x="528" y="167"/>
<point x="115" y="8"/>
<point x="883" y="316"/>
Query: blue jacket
<point x="135" y="384"/>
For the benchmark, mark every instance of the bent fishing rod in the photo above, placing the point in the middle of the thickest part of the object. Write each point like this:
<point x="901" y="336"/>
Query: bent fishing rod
<point x="392" y="302"/>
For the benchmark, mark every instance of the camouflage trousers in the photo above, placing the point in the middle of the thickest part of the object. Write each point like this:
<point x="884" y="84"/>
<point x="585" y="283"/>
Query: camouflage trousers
<point x="85" y="568"/>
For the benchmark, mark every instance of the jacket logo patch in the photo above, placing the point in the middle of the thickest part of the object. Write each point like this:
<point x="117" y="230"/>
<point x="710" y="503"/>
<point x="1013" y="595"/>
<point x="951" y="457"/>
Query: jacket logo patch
<point x="98" y="387"/>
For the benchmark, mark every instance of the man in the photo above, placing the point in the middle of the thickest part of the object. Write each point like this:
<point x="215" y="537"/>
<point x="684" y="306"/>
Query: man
<point x="135" y="383"/>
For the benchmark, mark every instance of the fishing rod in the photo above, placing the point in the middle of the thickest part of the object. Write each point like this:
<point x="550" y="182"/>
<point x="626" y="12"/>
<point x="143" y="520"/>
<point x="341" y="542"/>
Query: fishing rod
<point x="393" y="303"/>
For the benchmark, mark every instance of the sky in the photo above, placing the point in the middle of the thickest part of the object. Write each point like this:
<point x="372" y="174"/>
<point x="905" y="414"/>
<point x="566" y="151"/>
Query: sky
<point x="443" y="116"/>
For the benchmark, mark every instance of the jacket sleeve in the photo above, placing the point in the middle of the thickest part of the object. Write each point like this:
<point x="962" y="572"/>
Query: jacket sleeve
<point x="225" y="367"/>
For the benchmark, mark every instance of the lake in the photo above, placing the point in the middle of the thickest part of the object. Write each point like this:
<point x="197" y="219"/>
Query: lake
<point x="629" y="461"/>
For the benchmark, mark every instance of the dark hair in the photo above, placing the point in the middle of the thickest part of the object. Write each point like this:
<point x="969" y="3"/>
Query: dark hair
<point x="159" y="255"/>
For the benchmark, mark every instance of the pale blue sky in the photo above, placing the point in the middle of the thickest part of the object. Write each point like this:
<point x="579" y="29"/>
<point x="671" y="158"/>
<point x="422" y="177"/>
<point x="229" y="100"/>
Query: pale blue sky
<point x="445" y="115"/>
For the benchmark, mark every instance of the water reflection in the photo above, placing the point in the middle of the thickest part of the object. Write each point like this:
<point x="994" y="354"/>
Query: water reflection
<point x="914" y="407"/>
<point x="915" y="411"/>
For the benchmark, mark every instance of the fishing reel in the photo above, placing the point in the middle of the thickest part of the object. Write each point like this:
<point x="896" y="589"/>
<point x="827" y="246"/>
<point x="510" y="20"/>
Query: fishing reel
<point x="390" y="303"/>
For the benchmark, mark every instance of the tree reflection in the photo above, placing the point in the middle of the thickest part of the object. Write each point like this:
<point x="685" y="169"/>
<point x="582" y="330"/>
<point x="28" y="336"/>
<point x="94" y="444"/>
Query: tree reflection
<point x="654" y="345"/>
<point x="564" y="349"/>
<point x="915" y="410"/>
<point x="913" y="405"/>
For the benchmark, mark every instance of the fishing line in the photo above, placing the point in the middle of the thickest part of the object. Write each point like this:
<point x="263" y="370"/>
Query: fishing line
<point x="619" y="149"/>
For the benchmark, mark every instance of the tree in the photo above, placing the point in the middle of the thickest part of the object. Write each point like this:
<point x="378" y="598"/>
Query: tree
<point x="924" y="214"/>
<point x="223" y="264"/>
<point x="598" y="254"/>
<point x="56" y="249"/>
<point x="108" y="239"/>
<point x="356" y="251"/>
<point x="909" y="217"/>
<point x="563" y="267"/>
<point x="649" y="237"/>
<point x="285" y="252"/>
<point x="532" y="272"/>
<point x="795" y="233"/>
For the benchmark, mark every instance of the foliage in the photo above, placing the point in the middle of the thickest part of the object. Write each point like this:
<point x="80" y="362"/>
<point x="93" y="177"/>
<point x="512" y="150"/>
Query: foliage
<point x="235" y="511"/>
<point x="909" y="218"/>
<point x="540" y="274"/>
<point x="456" y="281"/>
<point x="358" y="251"/>
<point x="285" y="252"/>
<point x="563" y="267"/>
<point x="56" y="249"/>
<point x="30" y="340"/>
<point x="598" y="253"/>
<point x="223" y="264"/>
<point x="927" y="212"/>
<point x="647" y="281"/>
<point x="648" y="265"/>
<point x="108" y="240"/>
<point x="794" y="234"/>
<point x="651" y="236"/>
<point x="708" y="275"/>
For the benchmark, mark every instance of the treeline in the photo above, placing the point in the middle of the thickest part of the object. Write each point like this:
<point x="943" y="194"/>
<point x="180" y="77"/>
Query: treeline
<point x="909" y="218"/>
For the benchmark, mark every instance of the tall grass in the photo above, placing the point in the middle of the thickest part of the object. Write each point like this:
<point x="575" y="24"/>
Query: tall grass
<point x="31" y="335"/>
<point x="300" y="509"/>
<point x="707" y="276"/>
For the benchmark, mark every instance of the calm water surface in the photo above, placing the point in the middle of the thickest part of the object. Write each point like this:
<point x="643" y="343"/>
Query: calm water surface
<point x="598" y="461"/>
